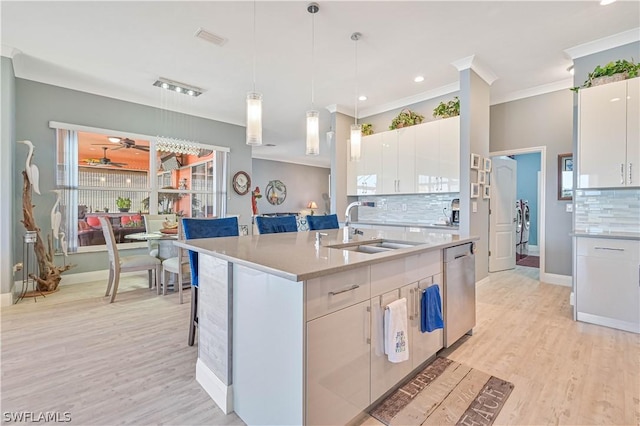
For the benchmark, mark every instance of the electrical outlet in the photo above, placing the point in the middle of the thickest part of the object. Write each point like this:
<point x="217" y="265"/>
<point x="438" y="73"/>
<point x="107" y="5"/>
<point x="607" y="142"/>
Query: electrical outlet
<point x="569" y="208"/>
<point x="404" y="207"/>
<point x="474" y="207"/>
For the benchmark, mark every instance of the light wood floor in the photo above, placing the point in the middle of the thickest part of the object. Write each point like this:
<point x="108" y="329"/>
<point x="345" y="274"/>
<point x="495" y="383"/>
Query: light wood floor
<point x="128" y="362"/>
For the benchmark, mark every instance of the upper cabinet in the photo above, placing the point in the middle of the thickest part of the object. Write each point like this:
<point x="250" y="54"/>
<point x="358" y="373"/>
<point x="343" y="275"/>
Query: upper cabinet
<point x="609" y="135"/>
<point x="418" y="159"/>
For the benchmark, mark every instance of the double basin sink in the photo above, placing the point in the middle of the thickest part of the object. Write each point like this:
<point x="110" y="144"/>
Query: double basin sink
<point x="373" y="246"/>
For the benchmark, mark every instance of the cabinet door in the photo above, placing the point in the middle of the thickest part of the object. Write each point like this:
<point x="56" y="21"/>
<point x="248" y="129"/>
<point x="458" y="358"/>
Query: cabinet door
<point x="338" y="366"/>
<point x="385" y="374"/>
<point x="390" y="162"/>
<point x="633" y="132"/>
<point x="352" y="177"/>
<point x="427" y="153"/>
<point x="425" y="345"/>
<point x="406" y="166"/>
<point x="369" y="168"/>
<point x="602" y="136"/>
<point x="449" y="159"/>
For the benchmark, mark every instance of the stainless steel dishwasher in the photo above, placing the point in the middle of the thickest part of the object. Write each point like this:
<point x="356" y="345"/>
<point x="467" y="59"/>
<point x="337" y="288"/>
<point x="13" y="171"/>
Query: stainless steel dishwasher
<point x="459" y="292"/>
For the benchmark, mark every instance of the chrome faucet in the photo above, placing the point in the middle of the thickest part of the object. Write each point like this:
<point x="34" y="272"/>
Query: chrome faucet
<point x="347" y="216"/>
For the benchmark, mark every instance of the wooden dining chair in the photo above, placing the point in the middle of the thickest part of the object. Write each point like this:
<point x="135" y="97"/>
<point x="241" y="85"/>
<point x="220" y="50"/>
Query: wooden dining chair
<point x="203" y="228"/>
<point x="117" y="264"/>
<point x="272" y="225"/>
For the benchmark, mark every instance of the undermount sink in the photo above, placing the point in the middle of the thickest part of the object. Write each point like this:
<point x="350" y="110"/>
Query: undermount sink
<point x="372" y="247"/>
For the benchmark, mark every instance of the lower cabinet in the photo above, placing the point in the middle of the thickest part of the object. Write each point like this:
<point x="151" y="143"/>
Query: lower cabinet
<point x="424" y="345"/>
<point x="338" y="366"/>
<point x="608" y="282"/>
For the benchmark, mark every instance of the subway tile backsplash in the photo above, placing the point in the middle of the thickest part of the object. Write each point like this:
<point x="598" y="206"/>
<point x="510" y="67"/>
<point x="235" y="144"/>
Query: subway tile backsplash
<point x="420" y="209"/>
<point x="607" y="211"/>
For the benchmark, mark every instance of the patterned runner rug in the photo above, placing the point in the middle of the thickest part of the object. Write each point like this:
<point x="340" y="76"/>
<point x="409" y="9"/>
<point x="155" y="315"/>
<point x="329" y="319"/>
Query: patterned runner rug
<point x="445" y="392"/>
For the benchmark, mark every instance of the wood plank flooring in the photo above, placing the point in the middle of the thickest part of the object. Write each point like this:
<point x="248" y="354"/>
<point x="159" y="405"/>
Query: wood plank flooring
<point x="129" y="363"/>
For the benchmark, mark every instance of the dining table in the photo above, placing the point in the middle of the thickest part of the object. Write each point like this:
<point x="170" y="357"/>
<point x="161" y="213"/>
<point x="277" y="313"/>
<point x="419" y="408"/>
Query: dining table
<point x="166" y="249"/>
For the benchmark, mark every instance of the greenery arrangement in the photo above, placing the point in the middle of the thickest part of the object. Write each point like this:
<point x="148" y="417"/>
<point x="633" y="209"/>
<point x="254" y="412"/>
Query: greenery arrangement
<point x="626" y="69"/>
<point x="124" y="204"/>
<point x="406" y="118"/>
<point x="449" y="109"/>
<point x="367" y="129"/>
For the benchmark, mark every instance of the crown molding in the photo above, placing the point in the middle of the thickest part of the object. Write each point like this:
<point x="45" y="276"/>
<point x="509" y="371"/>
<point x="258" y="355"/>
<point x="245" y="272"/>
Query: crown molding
<point x="605" y="43"/>
<point x="9" y="51"/>
<point x="339" y="108"/>
<point x="534" y="91"/>
<point x="478" y="66"/>
<point x="410" y="100"/>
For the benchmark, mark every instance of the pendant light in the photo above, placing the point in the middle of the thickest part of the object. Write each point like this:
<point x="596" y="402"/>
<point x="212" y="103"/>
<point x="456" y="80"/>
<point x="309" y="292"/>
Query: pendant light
<point x="254" y="100"/>
<point x="313" y="125"/>
<point x="356" y="130"/>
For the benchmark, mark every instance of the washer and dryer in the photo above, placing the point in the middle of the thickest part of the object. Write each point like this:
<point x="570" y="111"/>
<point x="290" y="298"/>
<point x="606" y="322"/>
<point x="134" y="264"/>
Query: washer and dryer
<point x="518" y="227"/>
<point x="526" y="226"/>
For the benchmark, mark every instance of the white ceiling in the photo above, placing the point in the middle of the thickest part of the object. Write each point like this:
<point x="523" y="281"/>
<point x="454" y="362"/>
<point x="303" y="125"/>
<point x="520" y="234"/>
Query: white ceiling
<point x="118" y="49"/>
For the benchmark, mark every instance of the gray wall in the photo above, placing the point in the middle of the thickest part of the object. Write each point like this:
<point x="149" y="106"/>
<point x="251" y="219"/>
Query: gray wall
<point x="7" y="150"/>
<point x="583" y="66"/>
<point x="304" y="184"/>
<point x="544" y="120"/>
<point x="37" y="104"/>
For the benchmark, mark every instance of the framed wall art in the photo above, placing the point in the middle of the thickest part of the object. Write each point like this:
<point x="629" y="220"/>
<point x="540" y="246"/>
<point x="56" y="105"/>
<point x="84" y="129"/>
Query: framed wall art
<point x="475" y="190"/>
<point x="475" y="161"/>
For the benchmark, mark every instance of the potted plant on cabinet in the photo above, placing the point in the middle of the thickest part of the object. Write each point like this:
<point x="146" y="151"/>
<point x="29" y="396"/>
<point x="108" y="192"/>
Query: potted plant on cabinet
<point x="367" y="129"/>
<point x="449" y="109"/>
<point x="610" y="73"/>
<point x="124" y="204"/>
<point x="406" y="118"/>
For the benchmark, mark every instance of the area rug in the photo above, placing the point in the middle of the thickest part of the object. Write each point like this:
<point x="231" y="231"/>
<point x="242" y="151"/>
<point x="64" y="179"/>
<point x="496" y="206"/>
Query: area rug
<point x="530" y="261"/>
<point x="445" y="392"/>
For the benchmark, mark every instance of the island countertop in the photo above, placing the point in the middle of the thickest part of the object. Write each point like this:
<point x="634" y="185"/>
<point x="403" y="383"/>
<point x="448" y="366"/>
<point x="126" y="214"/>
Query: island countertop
<point x="295" y="256"/>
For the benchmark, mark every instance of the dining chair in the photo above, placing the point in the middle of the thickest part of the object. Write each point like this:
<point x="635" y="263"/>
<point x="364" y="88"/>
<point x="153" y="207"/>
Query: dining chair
<point x="153" y="223"/>
<point x="329" y="221"/>
<point x="203" y="228"/>
<point x="272" y="225"/>
<point x="175" y="265"/>
<point x="117" y="264"/>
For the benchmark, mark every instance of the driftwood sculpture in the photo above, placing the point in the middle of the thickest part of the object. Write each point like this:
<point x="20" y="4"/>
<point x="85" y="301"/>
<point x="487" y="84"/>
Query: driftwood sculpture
<point x="49" y="275"/>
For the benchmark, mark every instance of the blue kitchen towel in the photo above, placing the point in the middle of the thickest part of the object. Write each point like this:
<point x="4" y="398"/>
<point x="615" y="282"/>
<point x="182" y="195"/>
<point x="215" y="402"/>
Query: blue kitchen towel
<point x="431" y="312"/>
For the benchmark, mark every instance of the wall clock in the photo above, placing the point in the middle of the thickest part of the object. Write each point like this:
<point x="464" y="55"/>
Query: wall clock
<point x="241" y="183"/>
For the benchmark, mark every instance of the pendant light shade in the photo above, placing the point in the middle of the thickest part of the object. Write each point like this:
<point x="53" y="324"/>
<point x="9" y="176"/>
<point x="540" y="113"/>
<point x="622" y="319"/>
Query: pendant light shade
<point x="254" y="100"/>
<point x="254" y="119"/>
<point x="356" y="141"/>
<point x="313" y="118"/>
<point x="313" y="133"/>
<point x="356" y="129"/>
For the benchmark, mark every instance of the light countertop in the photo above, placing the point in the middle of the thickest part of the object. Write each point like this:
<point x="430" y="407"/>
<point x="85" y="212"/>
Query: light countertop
<point x="610" y="235"/>
<point x="294" y="255"/>
<point x="405" y="224"/>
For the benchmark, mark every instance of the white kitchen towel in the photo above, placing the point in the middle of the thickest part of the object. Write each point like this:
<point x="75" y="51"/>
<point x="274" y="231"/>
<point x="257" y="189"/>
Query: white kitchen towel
<point x="396" y="331"/>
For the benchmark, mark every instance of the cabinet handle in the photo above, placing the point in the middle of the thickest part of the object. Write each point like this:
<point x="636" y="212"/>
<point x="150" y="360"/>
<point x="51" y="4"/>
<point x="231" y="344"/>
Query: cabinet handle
<point x="621" y="173"/>
<point x="367" y="325"/>
<point x="609" y="248"/>
<point x="353" y="287"/>
<point x="417" y="302"/>
<point x="630" y="180"/>
<point x="413" y="302"/>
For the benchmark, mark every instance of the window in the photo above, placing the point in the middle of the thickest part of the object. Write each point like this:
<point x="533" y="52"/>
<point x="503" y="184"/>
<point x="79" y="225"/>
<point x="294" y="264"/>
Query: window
<point x="124" y="177"/>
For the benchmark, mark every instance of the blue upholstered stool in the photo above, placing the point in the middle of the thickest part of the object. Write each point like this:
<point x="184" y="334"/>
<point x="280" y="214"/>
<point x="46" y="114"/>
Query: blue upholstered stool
<point x="272" y="225"/>
<point x="329" y="221"/>
<point x="203" y="228"/>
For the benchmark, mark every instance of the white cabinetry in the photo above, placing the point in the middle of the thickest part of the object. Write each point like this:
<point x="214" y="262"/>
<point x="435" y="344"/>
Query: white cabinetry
<point x="608" y="282"/>
<point x="437" y="156"/>
<point x="424" y="345"/>
<point x="398" y="161"/>
<point x="368" y="171"/>
<point x="609" y="138"/>
<point x="338" y="366"/>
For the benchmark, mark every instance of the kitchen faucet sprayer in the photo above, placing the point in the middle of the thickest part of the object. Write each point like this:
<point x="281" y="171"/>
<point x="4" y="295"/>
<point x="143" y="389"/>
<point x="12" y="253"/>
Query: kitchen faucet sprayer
<point x="347" y="215"/>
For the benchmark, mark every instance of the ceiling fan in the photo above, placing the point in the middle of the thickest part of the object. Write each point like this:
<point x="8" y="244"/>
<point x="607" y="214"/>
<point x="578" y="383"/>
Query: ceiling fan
<point x="125" y="143"/>
<point x="104" y="161"/>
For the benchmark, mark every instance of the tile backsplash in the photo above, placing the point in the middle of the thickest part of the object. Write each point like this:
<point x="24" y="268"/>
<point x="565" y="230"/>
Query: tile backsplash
<point x="607" y="211"/>
<point x="421" y="209"/>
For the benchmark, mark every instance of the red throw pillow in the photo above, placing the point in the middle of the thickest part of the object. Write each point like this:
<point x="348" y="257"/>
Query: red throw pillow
<point x="94" y="221"/>
<point x="125" y="220"/>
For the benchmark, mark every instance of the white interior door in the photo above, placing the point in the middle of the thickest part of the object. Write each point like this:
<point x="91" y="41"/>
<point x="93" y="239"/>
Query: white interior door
<point x="502" y="217"/>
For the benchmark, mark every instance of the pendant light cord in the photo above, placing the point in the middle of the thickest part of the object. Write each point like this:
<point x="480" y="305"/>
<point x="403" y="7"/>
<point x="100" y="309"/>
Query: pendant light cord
<point x="254" y="46"/>
<point x="356" y="37"/>
<point x="313" y="45"/>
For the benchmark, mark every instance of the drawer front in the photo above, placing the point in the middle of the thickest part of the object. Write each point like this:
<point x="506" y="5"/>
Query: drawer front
<point x="394" y="274"/>
<point x="430" y="263"/>
<point x="609" y="248"/>
<point x="328" y="294"/>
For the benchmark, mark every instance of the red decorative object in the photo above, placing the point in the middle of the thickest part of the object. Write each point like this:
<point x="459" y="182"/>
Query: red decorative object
<point x="255" y="194"/>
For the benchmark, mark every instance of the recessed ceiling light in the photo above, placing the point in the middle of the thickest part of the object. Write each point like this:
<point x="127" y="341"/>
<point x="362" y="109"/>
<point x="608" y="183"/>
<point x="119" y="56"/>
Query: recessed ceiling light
<point x="606" y="2"/>
<point x="362" y="98"/>
<point x="419" y="79"/>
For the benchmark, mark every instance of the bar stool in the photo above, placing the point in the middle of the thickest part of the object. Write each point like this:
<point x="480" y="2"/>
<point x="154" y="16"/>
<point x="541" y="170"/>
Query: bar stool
<point x="329" y="221"/>
<point x="272" y="225"/>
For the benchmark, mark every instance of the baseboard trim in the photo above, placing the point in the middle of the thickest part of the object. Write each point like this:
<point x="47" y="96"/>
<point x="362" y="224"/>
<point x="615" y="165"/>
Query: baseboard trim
<point x="563" y="280"/>
<point x="485" y="280"/>
<point x="609" y="322"/>
<point x="221" y="394"/>
<point x="85" y="277"/>
<point x="6" y="299"/>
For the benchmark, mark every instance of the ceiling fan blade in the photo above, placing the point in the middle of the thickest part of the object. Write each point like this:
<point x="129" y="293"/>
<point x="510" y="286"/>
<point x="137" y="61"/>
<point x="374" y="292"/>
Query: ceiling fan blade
<point x="141" y="148"/>
<point x="120" y="147"/>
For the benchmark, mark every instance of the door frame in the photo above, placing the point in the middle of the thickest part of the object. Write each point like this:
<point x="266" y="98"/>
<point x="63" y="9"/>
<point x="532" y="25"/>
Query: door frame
<point x="541" y="195"/>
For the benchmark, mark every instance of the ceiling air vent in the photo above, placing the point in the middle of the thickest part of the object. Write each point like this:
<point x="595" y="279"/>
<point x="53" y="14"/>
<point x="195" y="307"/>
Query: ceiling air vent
<point x="210" y="37"/>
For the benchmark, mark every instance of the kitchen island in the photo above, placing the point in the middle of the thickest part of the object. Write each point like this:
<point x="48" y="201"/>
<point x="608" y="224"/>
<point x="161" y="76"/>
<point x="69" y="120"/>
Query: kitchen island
<point x="288" y="326"/>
